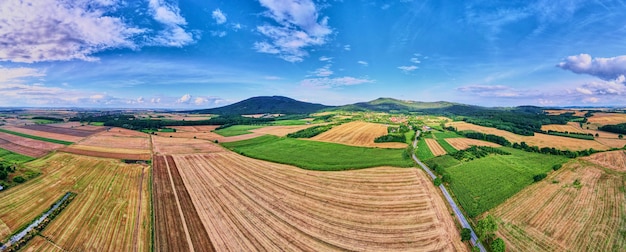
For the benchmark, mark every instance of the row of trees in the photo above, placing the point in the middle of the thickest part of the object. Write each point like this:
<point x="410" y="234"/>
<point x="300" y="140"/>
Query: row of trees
<point x="310" y="132"/>
<point x="617" y="128"/>
<point x="476" y="152"/>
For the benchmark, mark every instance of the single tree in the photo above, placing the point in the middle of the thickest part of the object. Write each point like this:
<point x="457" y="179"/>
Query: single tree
<point x="466" y="234"/>
<point x="498" y="245"/>
<point x="437" y="181"/>
<point x="620" y="136"/>
<point x="486" y="228"/>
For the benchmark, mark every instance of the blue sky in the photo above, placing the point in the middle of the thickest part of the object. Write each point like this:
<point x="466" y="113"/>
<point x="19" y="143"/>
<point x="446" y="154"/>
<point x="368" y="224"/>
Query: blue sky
<point x="202" y="54"/>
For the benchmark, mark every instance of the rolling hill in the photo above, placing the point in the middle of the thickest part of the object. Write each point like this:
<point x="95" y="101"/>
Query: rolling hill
<point x="265" y="104"/>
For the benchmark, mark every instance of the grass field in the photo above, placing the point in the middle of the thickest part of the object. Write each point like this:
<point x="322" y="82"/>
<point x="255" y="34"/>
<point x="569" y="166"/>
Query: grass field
<point x="423" y="152"/>
<point x="556" y="215"/>
<point x="110" y="212"/>
<point x="250" y="205"/>
<point x="36" y="137"/>
<point x="484" y="183"/>
<point x="237" y="130"/>
<point x="290" y="122"/>
<point x="316" y="155"/>
<point x="12" y="157"/>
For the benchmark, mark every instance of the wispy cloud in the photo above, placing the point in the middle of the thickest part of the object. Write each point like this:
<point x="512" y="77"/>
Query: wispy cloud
<point x="298" y="27"/>
<point x="219" y="16"/>
<point x="324" y="58"/>
<point x="334" y="82"/>
<point x="323" y="71"/>
<point x="603" y="68"/>
<point x="491" y="91"/>
<point x="19" y="75"/>
<point x="408" y="69"/>
<point x="347" y="47"/>
<point x="363" y="63"/>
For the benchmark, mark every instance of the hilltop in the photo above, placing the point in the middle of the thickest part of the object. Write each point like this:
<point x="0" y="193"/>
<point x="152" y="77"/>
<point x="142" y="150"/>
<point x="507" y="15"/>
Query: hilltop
<point x="265" y="104"/>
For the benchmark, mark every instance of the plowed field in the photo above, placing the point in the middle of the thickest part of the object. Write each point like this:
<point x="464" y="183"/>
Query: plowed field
<point x="464" y="143"/>
<point x="540" y="140"/>
<point x="357" y="134"/>
<point x="557" y="215"/>
<point x="246" y="205"/>
<point x="110" y="212"/>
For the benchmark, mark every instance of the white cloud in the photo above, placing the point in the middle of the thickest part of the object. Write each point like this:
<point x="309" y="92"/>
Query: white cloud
<point x="169" y="15"/>
<point x="272" y="78"/>
<point x="347" y="47"/>
<point x="218" y="34"/>
<point x="184" y="99"/>
<point x="493" y="91"/>
<point x="415" y="60"/>
<point x="601" y="87"/>
<point x="219" y="16"/>
<point x="17" y="75"/>
<point x="326" y="82"/>
<point x="323" y="71"/>
<point x="364" y="63"/>
<point x="155" y="100"/>
<point x="591" y="100"/>
<point x="237" y="26"/>
<point x="408" y="69"/>
<point x="265" y="47"/>
<point x="603" y="68"/>
<point x="324" y="58"/>
<point x="584" y="91"/>
<point x="299" y="27"/>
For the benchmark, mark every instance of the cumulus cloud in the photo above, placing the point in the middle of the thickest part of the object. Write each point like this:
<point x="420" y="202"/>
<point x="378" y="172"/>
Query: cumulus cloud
<point x="219" y="16"/>
<point x="184" y="99"/>
<point x="298" y="27"/>
<point x="61" y="30"/>
<point x="326" y="82"/>
<point x="408" y="69"/>
<point x="603" y="68"/>
<point x="364" y="63"/>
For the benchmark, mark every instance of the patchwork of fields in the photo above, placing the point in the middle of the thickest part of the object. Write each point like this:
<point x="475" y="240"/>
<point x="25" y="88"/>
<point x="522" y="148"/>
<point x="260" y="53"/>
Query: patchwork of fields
<point x="268" y="206"/>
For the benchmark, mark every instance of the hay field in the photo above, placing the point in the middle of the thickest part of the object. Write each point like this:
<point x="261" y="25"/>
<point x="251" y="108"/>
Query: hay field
<point x="607" y="118"/>
<point x="111" y="211"/>
<point x="557" y="215"/>
<point x="357" y="133"/>
<point x="434" y="147"/>
<point x="464" y="143"/>
<point x="540" y="140"/>
<point x="246" y="204"/>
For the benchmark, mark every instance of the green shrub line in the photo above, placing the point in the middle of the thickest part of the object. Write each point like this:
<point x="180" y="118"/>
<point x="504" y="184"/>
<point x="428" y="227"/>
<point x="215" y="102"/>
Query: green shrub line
<point x="36" y="137"/>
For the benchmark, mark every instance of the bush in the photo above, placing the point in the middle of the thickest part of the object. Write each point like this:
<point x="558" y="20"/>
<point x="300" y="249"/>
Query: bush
<point x="498" y="245"/>
<point x="437" y="181"/>
<point x="19" y="179"/>
<point x="556" y="167"/>
<point x="539" y="177"/>
<point x="3" y="175"/>
<point x="466" y="234"/>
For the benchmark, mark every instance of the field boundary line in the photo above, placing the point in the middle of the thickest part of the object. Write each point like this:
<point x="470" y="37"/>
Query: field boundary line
<point x="180" y="209"/>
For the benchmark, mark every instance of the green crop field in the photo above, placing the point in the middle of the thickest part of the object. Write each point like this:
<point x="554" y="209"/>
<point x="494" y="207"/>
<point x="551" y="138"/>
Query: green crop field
<point x="446" y="146"/>
<point x="315" y="155"/>
<point x="12" y="157"/>
<point x="484" y="183"/>
<point x="237" y="130"/>
<point x="423" y="152"/>
<point x="409" y="136"/>
<point x="289" y="122"/>
<point x="36" y="137"/>
<point x="445" y="134"/>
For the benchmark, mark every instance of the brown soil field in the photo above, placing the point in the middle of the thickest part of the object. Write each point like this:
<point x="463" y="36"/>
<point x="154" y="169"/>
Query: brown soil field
<point x="434" y="147"/>
<point x="31" y="143"/>
<point x="106" y="153"/>
<point x="607" y="118"/>
<point x="464" y="143"/>
<point x="103" y="216"/>
<point x="178" y="225"/>
<point x="281" y="130"/>
<point x="167" y="145"/>
<point x="20" y="149"/>
<point x="555" y="215"/>
<point x="615" y="160"/>
<point x="562" y="128"/>
<point x="248" y="205"/>
<point x="580" y="113"/>
<point x="78" y="132"/>
<point x="540" y="140"/>
<point x="357" y="133"/>
<point x="45" y="134"/>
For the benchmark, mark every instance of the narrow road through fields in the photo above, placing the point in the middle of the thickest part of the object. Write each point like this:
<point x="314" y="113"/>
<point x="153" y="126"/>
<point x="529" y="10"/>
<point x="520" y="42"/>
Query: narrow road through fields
<point x="453" y="205"/>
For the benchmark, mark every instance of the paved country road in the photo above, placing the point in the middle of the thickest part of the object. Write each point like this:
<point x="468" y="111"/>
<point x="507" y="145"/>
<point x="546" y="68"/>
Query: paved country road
<point x="455" y="208"/>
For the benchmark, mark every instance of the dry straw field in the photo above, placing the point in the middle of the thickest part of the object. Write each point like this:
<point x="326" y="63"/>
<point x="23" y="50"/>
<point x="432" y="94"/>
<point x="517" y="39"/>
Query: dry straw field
<point x="58" y="133"/>
<point x="26" y="146"/>
<point x="464" y="143"/>
<point x="578" y="208"/>
<point x="434" y="147"/>
<point x="357" y="133"/>
<point x="607" y="118"/>
<point x="204" y="132"/>
<point x="245" y="204"/>
<point x="111" y="211"/>
<point x="540" y="140"/>
<point x="115" y="143"/>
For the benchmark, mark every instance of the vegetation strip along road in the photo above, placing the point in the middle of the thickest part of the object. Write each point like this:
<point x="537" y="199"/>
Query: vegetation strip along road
<point x="453" y="205"/>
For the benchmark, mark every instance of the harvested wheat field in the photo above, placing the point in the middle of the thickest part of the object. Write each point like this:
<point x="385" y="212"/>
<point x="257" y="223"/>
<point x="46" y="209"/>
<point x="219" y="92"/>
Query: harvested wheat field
<point x="26" y="146"/>
<point x="115" y="143"/>
<point x="464" y="143"/>
<point x="20" y="149"/>
<point x="46" y="134"/>
<point x="434" y="147"/>
<point x="110" y="212"/>
<point x="607" y="118"/>
<point x="246" y="204"/>
<point x="281" y="130"/>
<point x="580" y="113"/>
<point x="170" y="145"/>
<point x="204" y="132"/>
<point x="615" y="160"/>
<point x="540" y="140"/>
<point x="357" y="133"/>
<point x="78" y="126"/>
<point x="607" y="138"/>
<point x="557" y="215"/>
<point x="562" y="128"/>
<point x="200" y="128"/>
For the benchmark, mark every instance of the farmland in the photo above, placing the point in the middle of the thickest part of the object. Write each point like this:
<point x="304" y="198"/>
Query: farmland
<point x="268" y="206"/>
<point x="540" y="140"/>
<point x="578" y="208"/>
<point x="607" y="118"/>
<point x="615" y="160"/>
<point x="473" y="182"/>
<point x="464" y="143"/>
<point x="34" y="137"/>
<point x="26" y="146"/>
<point x="357" y="133"/>
<point x="115" y="143"/>
<point x="316" y="155"/>
<point x="111" y="210"/>
<point x="434" y="147"/>
<point x="237" y="130"/>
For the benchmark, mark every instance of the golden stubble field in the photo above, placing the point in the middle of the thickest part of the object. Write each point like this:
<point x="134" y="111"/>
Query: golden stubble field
<point x="357" y="133"/>
<point x="557" y="215"/>
<point x="540" y="140"/>
<point x="434" y="147"/>
<point x="464" y="143"/>
<point x="246" y="204"/>
<point x="111" y="211"/>
<point x="114" y="143"/>
<point x="205" y="132"/>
